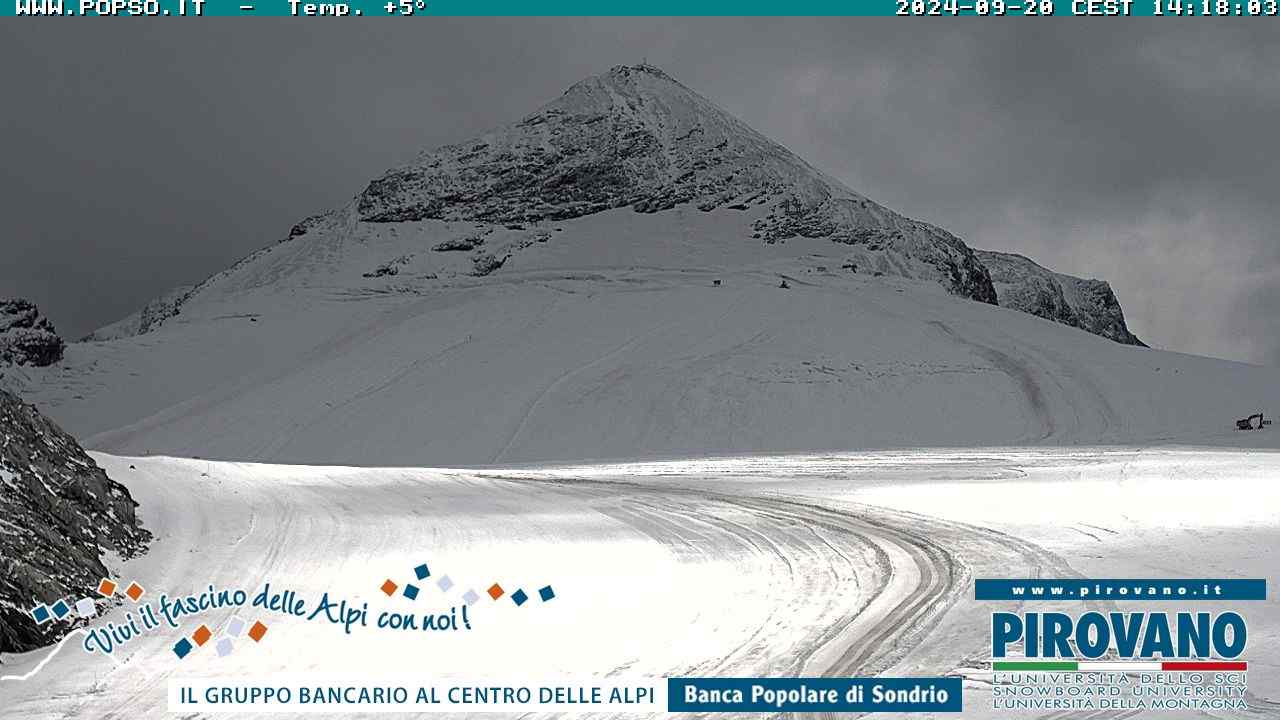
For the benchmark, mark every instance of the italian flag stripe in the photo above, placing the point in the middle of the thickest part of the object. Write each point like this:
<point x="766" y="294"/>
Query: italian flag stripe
<point x="1204" y="666"/>
<point x="1116" y="666"/>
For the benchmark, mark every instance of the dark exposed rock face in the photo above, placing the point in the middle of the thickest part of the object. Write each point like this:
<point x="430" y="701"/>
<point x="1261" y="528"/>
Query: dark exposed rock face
<point x="389" y="268"/>
<point x="466" y="244"/>
<point x="636" y="138"/>
<point x="1098" y="310"/>
<point x="26" y="337"/>
<point x="1087" y="304"/>
<point x="306" y="225"/>
<point x="58" y="513"/>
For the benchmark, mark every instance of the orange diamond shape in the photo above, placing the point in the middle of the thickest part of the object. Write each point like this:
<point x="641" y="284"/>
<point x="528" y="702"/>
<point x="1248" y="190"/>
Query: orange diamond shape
<point x="106" y="588"/>
<point x="257" y="631"/>
<point x="134" y="591"/>
<point x="201" y="635"/>
<point x="496" y="591"/>
<point x="389" y="588"/>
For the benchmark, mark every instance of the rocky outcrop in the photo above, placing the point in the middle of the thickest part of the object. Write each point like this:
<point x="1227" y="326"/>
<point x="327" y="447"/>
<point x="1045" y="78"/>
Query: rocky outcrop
<point x="1090" y="305"/>
<point x="465" y="244"/>
<point x="1098" y="310"/>
<point x="484" y="263"/>
<point x="59" y="512"/>
<point x="306" y="225"/>
<point x="389" y="268"/>
<point x="27" y="337"/>
<point x="634" y="137"/>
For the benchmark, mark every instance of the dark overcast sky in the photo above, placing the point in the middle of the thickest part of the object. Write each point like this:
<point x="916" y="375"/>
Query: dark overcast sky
<point x="139" y="155"/>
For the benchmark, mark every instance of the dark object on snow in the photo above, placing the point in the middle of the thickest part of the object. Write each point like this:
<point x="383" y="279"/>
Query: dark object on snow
<point x="460" y="244"/>
<point x="484" y="263"/>
<point x="392" y="267"/>
<point x="306" y="225"/>
<point x="784" y="285"/>
<point x="1248" y="423"/>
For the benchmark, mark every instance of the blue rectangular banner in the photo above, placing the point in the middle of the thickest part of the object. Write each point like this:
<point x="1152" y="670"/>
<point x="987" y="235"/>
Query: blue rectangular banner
<point x="772" y="695"/>
<point x="1112" y="589"/>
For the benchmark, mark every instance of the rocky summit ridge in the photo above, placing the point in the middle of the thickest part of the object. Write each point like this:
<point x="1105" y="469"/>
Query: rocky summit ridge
<point x="1090" y="305"/>
<point x="634" y="137"/>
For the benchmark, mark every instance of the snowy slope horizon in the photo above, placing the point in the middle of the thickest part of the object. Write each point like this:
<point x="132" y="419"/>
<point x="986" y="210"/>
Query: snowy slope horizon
<point x="569" y="353"/>
<point x="602" y="280"/>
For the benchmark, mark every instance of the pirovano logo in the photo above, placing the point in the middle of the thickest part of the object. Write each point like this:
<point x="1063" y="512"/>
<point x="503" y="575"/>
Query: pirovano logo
<point x="1105" y="658"/>
<point x="1093" y="635"/>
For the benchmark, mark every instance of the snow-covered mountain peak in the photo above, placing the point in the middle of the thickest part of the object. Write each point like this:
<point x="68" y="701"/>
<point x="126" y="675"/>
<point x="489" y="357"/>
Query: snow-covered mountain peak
<point x="634" y="137"/>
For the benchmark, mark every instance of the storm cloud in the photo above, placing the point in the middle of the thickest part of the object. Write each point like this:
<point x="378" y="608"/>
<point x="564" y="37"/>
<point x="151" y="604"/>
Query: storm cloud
<point x="138" y="156"/>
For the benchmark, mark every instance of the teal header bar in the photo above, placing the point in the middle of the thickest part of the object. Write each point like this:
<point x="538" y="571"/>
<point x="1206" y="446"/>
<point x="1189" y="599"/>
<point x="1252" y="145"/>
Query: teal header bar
<point x="915" y="10"/>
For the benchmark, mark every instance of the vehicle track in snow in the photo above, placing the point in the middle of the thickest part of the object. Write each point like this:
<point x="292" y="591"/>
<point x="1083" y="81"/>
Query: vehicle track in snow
<point x="913" y="568"/>
<point x="898" y="572"/>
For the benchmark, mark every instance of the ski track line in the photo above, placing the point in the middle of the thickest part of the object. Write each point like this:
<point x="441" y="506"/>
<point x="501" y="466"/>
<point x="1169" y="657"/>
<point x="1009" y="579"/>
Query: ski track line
<point x="911" y="600"/>
<point x="533" y="406"/>
<point x="903" y="617"/>
<point x="284" y="437"/>
<point x="1020" y="373"/>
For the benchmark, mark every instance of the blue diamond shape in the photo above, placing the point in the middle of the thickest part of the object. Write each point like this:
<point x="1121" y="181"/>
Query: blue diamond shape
<point x="546" y="593"/>
<point x="519" y="597"/>
<point x="411" y="591"/>
<point x="41" y="614"/>
<point x="61" y="608"/>
<point x="182" y="648"/>
<point x="422" y="572"/>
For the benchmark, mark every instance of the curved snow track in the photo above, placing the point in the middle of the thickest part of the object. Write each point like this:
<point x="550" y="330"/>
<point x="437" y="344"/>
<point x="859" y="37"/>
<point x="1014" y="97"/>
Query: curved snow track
<point x="894" y="581"/>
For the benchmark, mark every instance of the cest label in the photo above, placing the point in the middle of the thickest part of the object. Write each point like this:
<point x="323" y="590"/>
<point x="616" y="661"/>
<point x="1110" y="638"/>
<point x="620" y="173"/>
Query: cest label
<point x="1102" y="7"/>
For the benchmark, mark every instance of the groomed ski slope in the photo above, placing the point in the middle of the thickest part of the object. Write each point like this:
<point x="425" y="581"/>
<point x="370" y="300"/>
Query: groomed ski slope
<point x="611" y="340"/>
<point x="849" y="564"/>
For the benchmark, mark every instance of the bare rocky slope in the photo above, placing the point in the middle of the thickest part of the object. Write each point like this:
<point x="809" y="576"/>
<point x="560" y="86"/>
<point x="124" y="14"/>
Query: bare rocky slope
<point x="59" y="514"/>
<point x="1090" y="305"/>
